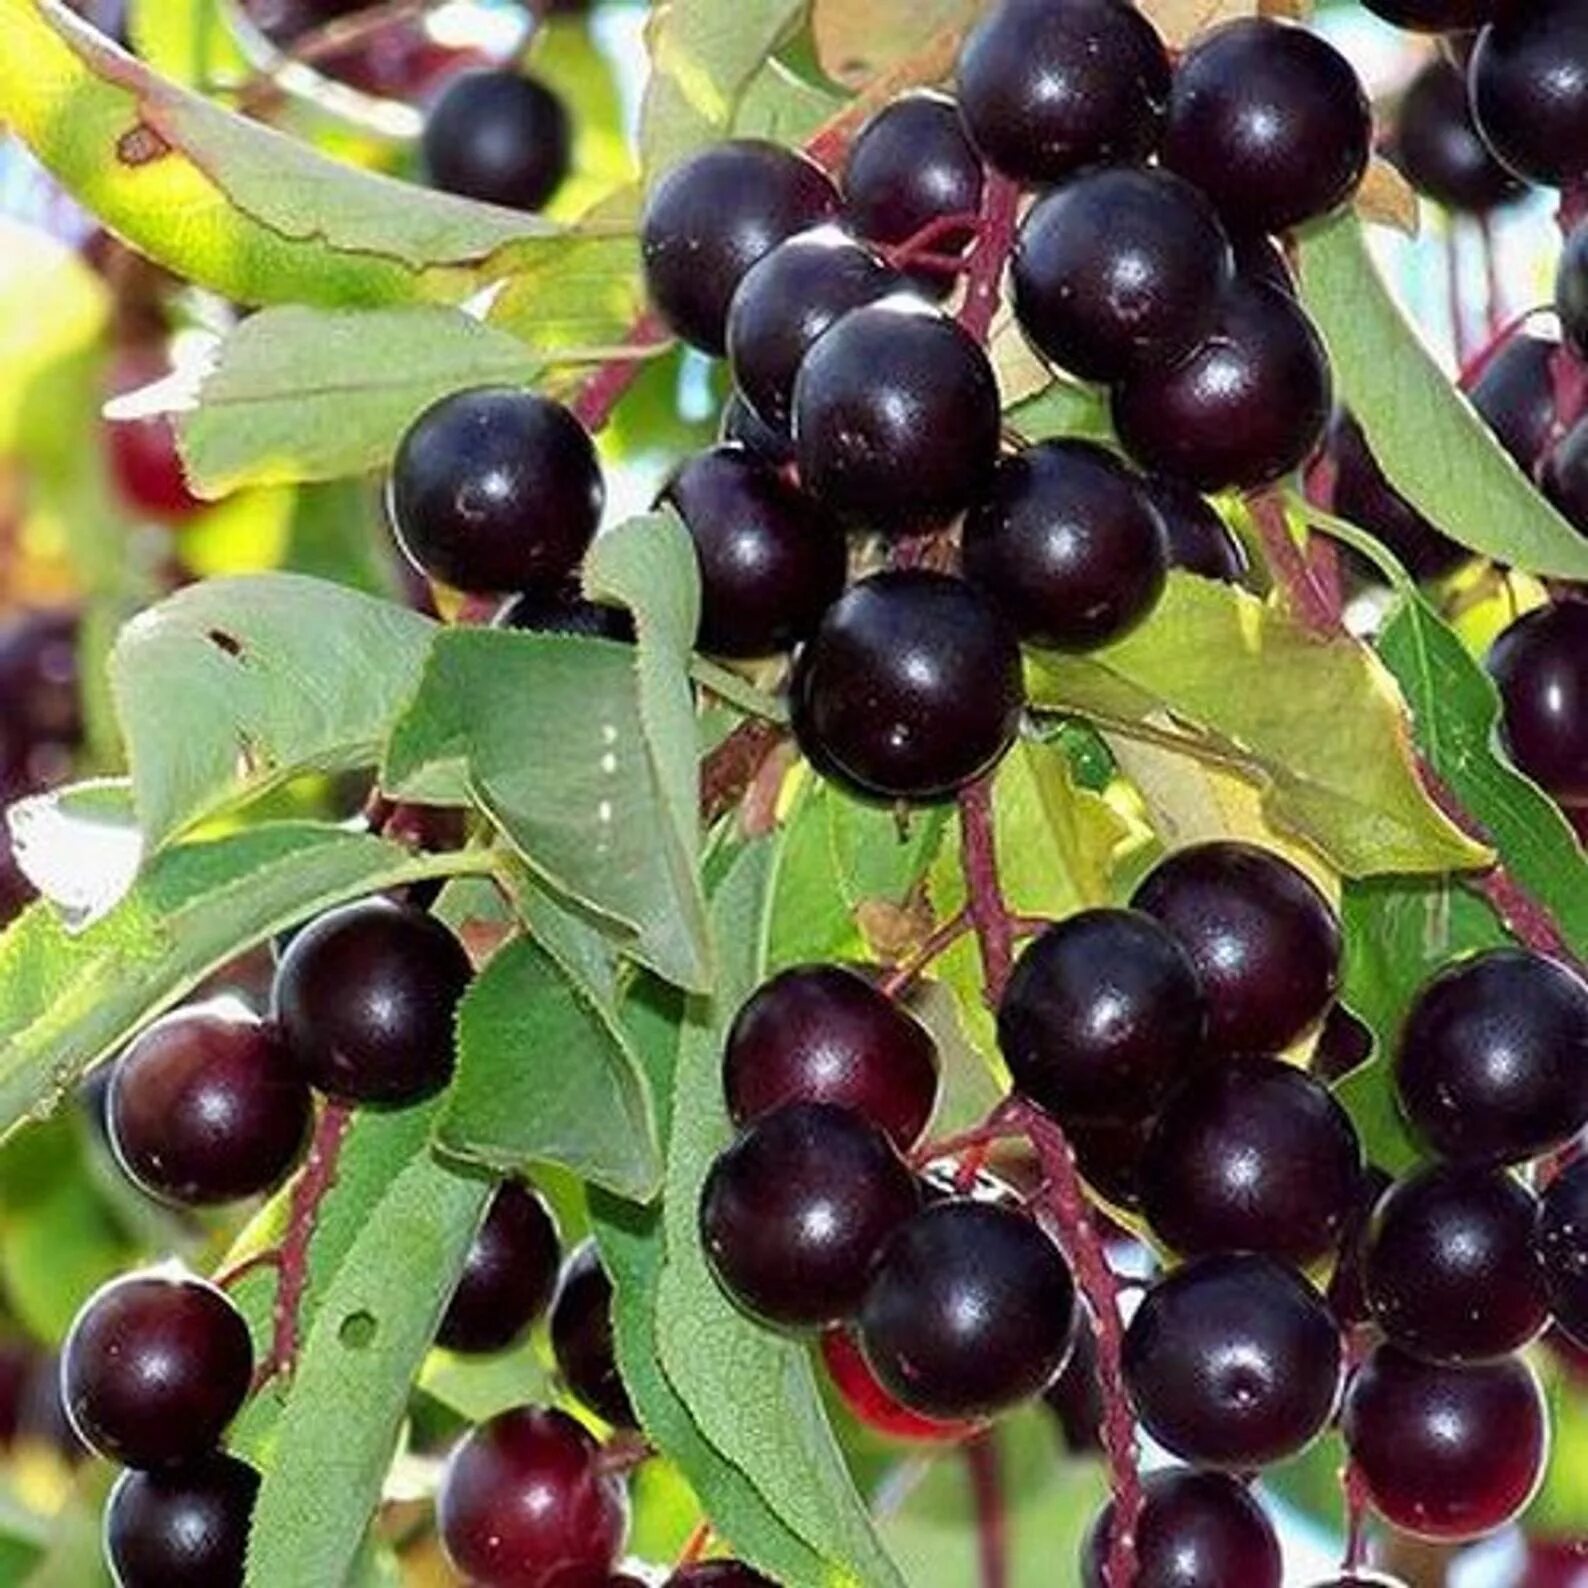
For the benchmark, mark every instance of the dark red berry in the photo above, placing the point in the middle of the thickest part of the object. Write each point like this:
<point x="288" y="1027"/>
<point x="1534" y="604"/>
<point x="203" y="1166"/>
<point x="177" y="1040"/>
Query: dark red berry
<point x="1075" y="1397"/>
<point x="366" y="996"/>
<point x="508" y="1276"/>
<point x="1529" y="84"/>
<point x="1493" y="1058"/>
<point x="1515" y="396"/>
<point x="41" y="725"/>
<point x="1439" y="149"/>
<point x="1540" y="664"/>
<point x="1571" y="290"/>
<point x="182" y="1527"/>
<point x="971" y="1310"/>
<point x="718" y="1574"/>
<point x="155" y="1367"/>
<point x="741" y="423"/>
<point x="872" y="1406"/>
<point x="581" y="1338"/>
<point x="910" y="688"/>
<point x="1564" y="476"/>
<point x="1233" y="1362"/>
<point x="1263" y="939"/>
<point x="1347" y="1286"/>
<point x="561" y="609"/>
<point x="496" y="489"/>
<point x="1199" y="540"/>
<point x="1344" y="1044"/>
<point x="1046" y="89"/>
<point x="499" y="137"/>
<point x="523" y="1499"/>
<point x="1448" y="1453"/>
<point x="712" y="217"/>
<point x="1435" y="16"/>
<point x="145" y="462"/>
<point x="794" y="1213"/>
<point x="1109" y="1158"/>
<point x="1563" y="1247"/>
<point x="771" y="559"/>
<point x="1259" y="257"/>
<point x="1103" y="1014"/>
<point x="823" y="1034"/>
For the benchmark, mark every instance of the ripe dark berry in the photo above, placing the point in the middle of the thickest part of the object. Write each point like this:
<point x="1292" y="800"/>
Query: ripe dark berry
<point x="1439" y="149"/>
<point x="154" y="1368"/>
<point x="1254" y="1156"/>
<point x="1197" y="1530"/>
<point x="1362" y="1579"/>
<point x="1571" y="290"/>
<point x="496" y="489"/>
<point x="1563" y="1247"/>
<point x="872" y="1406"/>
<point x="1515" y="397"/>
<point x="1344" y="1044"/>
<point x="1564" y="476"/>
<point x="508" y="1276"/>
<point x="794" y="1213"/>
<point x="1245" y="406"/>
<point x="1233" y="1362"/>
<point x="1446" y="1453"/>
<point x="207" y="1106"/>
<point x="971" y="1310"/>
<point x="366" y="997"/>
<point x="1103" y="1014"/>
<point x="708" y="220"/>
<point x="1067" y="545"/>
<point x="1075" y="1397"/>
<point x="787" y="300"/>
<point x="718" y="1574"/>
<point x="1259" y="257"/>
<point x="1199" y="540"/>
<point x="1263" y="939"/>
<point x="1119" y="270"/>
<point x="581" y="1338"/>
<point x="1046" y="89"/>
<point x="1529" y="84"/>
<point x="1435" y="16"/>
<point x="1347" y="1285"/>
<point x="523" y="1500"/>
<point x="896" y="416"/>
<point x="741" y="423"/>
<point x="499" y="137"/>
<point x="1109" y="1158"/>
<point x="1493" y="1058"/>
<point x="771" y="560"/>
<point x="561" y="609"/>
<point x="1540" y="664"/>
<point x="42" y="724"/>
<point x="1450" y="1267"/>
<point x="183" y="1527"/>
<point x="1270" y="122"/>
<point x="910" y="688"/>
<point x="822" y="1034"/>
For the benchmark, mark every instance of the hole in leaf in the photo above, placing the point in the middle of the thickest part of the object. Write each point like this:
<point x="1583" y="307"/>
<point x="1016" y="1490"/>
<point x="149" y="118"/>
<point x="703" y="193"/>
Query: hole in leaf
<point x="357" y="1330"/>
<point x="221" y="640"/>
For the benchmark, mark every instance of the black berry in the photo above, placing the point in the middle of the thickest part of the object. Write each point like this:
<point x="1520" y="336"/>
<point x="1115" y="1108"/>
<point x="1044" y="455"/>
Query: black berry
<point x="1199" y="540"/>
<point x="718" y="1574"/>
<point x="1529" y="84"/>
<point x="1075" y="1397"/>
<point x="1515" y="396"/>
<point x="1344" y="1044"/>
<point x="508" y="1276"/>
<point x="1439" y="149"/>
<point x="1563" y="1246"/>
<point x="1540" y="664"/>
<point x="1435" y="16"/>
<point x="561" y="609"/>
<point x="1571" y="290"/>
<point x="581" y="1338"/>
<point x="1564" y="475"/>
<point x="499" y="137"/>
<point x="1108" y="1154"/>
<point x="182" y="1527"/>
<point x="872" y="1406"/>
<point x="741" y="423"/>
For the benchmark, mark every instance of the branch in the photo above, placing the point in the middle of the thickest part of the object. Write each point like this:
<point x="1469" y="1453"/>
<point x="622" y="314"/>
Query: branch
<point x="1000" y="211"/>
<point x="1315" y="604"/>
<point x="992" y="1517"/>
<point x="601" y="393"/>
<point x="328" y="39"/>
<point x="989" y="917"/>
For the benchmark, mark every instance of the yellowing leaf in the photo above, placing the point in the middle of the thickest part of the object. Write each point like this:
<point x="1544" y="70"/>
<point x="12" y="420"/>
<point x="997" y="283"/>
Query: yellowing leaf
<point x="1181" y="20"/>
<point x="855" y="42"/>
<point x="1387" y="197"/>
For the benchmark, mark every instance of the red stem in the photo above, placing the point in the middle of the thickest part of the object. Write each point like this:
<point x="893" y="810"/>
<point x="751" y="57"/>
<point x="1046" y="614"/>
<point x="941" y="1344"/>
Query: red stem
<point x="695" y="1546"/>
<point x="1458" y="320"/>
<point x="1473" y="369"/>
<point x="962" y="227"/>
<point x="994" y="930"/>
<point x="992" y="1519"/>
<point x="230" y="1278"/>
<point x="602" y="392"/>
<point x="995" y="237"/>
<point x="1315" y="604"/>
<point x="942" y="938"/>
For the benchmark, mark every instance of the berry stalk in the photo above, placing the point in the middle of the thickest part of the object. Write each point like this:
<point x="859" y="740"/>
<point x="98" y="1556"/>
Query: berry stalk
<point x="992" y="1519"/>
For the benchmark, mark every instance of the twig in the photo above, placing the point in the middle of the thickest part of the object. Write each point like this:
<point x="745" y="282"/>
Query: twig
<point x="992" y="1518"/>
<point x="995" y="237"/>
<point x="994" y="931"/>
<point x="603" y="390"/>
<point x="942" y="938"/>
<point x="230" y="1278"/>
<point x="330" y="38"/>
<point x="695" y="1546"/>
<point x="730" y="769"/>
<point x="1315" y="605"/>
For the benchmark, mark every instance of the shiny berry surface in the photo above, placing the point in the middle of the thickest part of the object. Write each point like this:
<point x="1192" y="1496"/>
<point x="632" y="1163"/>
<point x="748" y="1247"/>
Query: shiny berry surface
<point x="1563" y="1247"/>
<point x="822" y="1034"/>
<point x="1118" y="270"/>
<point x="910" y="688"/>
<point x="1046" y="89"/>
<point x="1347" y="1284"/>
<point x="1515" y="396"/>
<point x="581" y="1338"/>
<point x="1435" y="16"/>
<point x="508" y="1276"/>
<point x="1440" y="150"/>
<point x="1067" y="545"/>
<point x="1447" y="1453"/>
<point x="712" y="217"/>
<point x="795" y="1212"/>
<point x="971" y="1311"/>
<point x="771" y="559"/>
<point x="1200" y="541"/>
<point x="366" y="996"/>
<point x="1233" y="1362"/>
<point x="1540" y="664"/>
<point x="1103" y="1014"/>
<point x="523" y="1500"/>
<point x="1245" y="406"/>
<point x="154" y="1368"/>
<point x="872" y="1406"/>
<point x="499" y="137"/>
<point x="1493" y="1058"/>
<point x="1264" y="940"/>
<point x="183" y="1527"/>
<point x="1529" y="84"/>
<point x="561" y="609"/>
<point x="496" y="489"/>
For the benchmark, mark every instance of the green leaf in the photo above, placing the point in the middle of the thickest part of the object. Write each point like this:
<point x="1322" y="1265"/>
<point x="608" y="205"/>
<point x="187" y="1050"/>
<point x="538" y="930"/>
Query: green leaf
<point x="1063" y="408"/>
<point x="187" y="41"/>
<point x="1560" y="1512"/>
<point x="1427" y="438"/>
<point x="479" y="1387"/>
<point x="781" y="105"/>
<point x="1317" y="724"/>
<point x="856" y="42"/>
<point x="276" y="675"/>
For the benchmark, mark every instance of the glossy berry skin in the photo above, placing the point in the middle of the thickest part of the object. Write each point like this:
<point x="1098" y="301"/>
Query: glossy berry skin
<point x="1108" y="1156"/>
<point x="823" y="1034"/>
<point x="1515" y="397"/>
<point x="712" y="217"/>
<point x="496" y="489"/>
<point x="1439" y="149"/>
<point x="154" y="1369"/>
<point x="1563" y="1247"/>
<point x="1571" y="290"/>
<point x="718" y="1574"/>
<point x="1347" y="1285"/>
<point x="499" y="137"/>
<point x="1245" y="406"/>
<point x="1529" y="84"/>
<point x="909" y="688"/>
<point x="971" y="1310"/>
<point x="508" y="1277"/>
<point x="1197" y="1530"/>
<point x="1263" y="939"/>
<point x="1119" y="270"/>
<point x="1067" y="545"/>
<point x="795" y="1212"/>
<point x="1450" y="1267"/>
<point x="183" y="1527"/>
<point x="1254" y="1156"/>
<point x="1540" y="664"/>
<point x="1493" y="1058"/>
<point x="1270" y="122"/>
<point x="741" y="423"/>
<point x="896" y="418"/>
<point x="207" y="1107"/>
<point x="1046" y="89"/>
<point x="561" y="609"/>
<point x="366" y="996"/>
<point x="1075" y="1397"/>
<point x="788" y="300"/>
<point x="523" y="1500"/>
<point x="1259" y="257"/>
<point x="581" y="1338"/>
<point x="1435" y="16"/>
<point x="1200" y="541"/>
<point x="771" y="559"/>
<point x="1233" y="1362"/>
<point x="1103" y="1014"/>
<point x="873" y="1407"/>
<point x="1448" y="1453"/>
